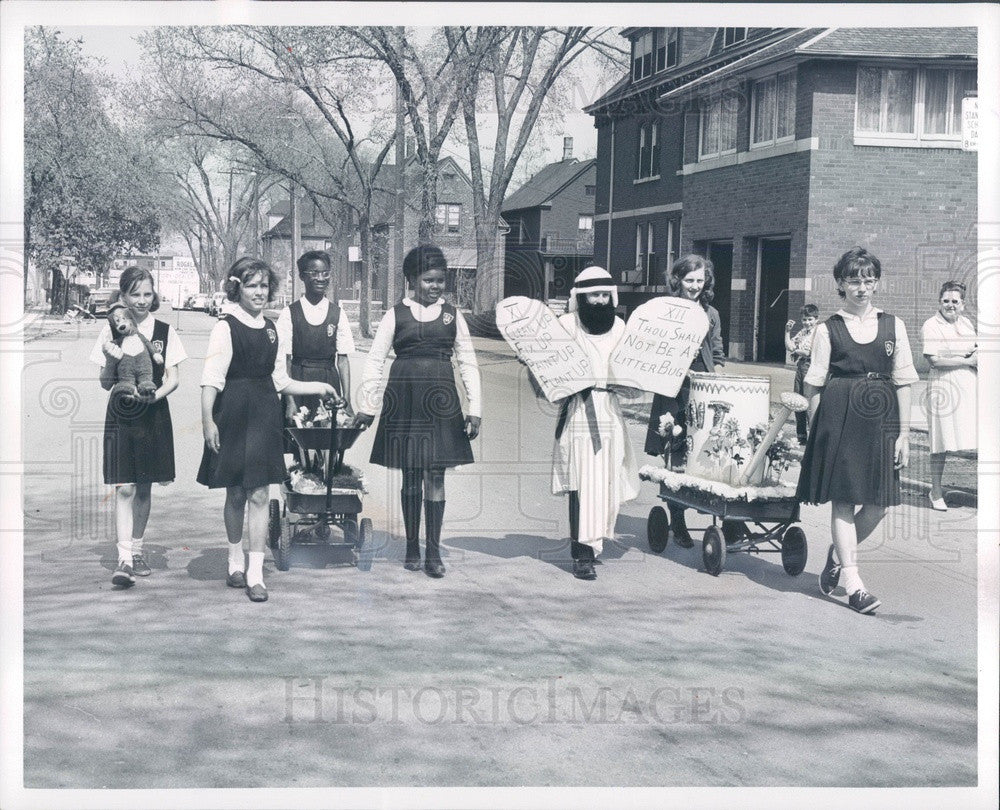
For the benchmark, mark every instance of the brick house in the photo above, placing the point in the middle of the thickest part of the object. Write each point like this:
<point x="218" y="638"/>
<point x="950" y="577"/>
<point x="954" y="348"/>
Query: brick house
<point x="551" y="221"/>
<point x="774" y="150"/>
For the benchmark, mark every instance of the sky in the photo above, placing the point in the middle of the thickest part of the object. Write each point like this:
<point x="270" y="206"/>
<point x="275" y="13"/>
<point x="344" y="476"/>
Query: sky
<point x="117" y="47"/>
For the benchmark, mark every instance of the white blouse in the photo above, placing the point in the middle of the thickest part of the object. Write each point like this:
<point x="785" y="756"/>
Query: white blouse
<point x="219" y="354"/>
<point x="175" y="349"/>
<point x="315" y="314"/>
<point x="372" y="383"/>
<point x="948" y="339"/>
<point x="864" y="329"/>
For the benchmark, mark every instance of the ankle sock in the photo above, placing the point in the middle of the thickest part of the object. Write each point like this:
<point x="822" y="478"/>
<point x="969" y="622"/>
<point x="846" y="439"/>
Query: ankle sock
<point x="434" y="514"/>
<point x="125" y="551"/>
<point x="236" y="564"/>
<point x="136" y="546"/>
<point x="851" y="579"/>
<point x="255" y="568"/>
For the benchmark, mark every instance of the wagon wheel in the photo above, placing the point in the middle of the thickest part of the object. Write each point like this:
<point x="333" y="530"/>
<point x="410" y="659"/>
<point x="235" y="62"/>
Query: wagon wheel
<point x="365" y="546"/>
<point x="351" y="530"/>
<point x="794" y="551"/>
<point x="713" y="551"/>
<point x="273" y="521"/>
<point x="283" y="550"/>
<point x="657" y="526"/>
<point x="734" y="531"/>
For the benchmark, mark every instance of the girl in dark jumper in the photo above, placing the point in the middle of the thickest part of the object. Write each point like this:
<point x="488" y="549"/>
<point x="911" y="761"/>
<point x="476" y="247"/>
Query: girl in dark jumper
<point x="138" y="433"/>
<point x="858" y="387"/>
<point x="242" y="418"/>
<point x="421" y="430"/>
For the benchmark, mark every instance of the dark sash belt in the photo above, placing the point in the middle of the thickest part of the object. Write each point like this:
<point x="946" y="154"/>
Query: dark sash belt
<point x="591" y="411"/>
<point x="870" y="375"/>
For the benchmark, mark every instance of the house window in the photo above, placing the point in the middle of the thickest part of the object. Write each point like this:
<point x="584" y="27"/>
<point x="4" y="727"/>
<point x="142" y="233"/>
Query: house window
<point x="447" y="176"/>
<point x="911" y="106"/>
<point x="590" y="190"/>
<point x="666" y="48"/>
<point x="648" y="155"/>
<point x="449" y="215"/>
<point x="642" y="56"/>
<point x="717" y="126"/>
<point x="586" y="222"/>
<point x="671" y="253"/>
<point x="650" y="266"/>
<point x="773" y="114"/>
<point x="731" y="36"/>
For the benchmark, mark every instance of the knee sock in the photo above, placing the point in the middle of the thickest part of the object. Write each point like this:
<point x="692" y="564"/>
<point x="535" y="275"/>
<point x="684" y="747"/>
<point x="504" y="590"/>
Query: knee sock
<point x="255" y="568"/>
<point x="125" y="551"/>
<point x="851" y="579"/>
<point x="236" y="564"/>
<point x="410" y="498"/>
<point x="435" y="517"/>
<point x="136" y="546"/>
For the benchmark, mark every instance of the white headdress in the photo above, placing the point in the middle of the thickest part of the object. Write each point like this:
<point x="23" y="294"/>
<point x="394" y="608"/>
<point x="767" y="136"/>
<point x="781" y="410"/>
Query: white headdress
<point x="593" y="279"/>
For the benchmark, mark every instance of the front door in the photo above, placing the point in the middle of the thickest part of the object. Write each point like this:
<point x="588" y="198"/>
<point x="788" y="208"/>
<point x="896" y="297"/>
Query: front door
<point x="772" y="299"/>
<point x="721" y="256"/>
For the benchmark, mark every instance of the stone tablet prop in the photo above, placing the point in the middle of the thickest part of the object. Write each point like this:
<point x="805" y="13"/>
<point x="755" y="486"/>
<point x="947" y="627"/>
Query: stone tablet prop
<point x="560" y="365"/>
<point x="662" y="338"/>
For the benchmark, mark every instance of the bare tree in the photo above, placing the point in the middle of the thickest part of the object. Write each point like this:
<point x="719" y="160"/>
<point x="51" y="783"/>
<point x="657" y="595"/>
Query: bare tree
<point x="291" y="98"/>
<point x="510" y="86"/>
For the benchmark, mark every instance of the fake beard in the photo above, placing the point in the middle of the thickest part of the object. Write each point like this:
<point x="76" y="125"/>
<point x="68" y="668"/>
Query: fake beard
<point x="597" y="319"/>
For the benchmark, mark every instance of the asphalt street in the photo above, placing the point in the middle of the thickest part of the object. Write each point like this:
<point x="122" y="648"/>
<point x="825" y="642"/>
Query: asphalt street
<point x="508" y="671"/>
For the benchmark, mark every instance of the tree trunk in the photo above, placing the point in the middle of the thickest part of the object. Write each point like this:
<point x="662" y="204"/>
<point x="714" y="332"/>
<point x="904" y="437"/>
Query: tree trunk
<point x="364" y="295"/>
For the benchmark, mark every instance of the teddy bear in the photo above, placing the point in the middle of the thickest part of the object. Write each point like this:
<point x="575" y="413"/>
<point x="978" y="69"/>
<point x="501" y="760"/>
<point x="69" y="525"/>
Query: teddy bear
<point x="134" y="372"/>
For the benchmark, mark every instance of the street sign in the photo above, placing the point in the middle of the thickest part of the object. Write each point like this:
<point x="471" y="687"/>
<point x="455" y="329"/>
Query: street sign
<point x="970" y="124"/>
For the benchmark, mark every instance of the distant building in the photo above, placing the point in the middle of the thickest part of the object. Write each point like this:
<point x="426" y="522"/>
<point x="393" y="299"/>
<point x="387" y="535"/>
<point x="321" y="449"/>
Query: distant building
<point x="551" y="228"/>
<point x="772" y="151"/>
<point x="175" y="275"/>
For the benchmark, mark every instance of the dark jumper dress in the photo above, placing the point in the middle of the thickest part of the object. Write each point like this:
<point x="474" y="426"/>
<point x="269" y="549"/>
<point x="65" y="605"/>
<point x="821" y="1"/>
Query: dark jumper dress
<point x="248" y="414"/>
<point x="139" y="436"/>
<point x="421" y="425"/>
<point x="849" y="456"/>
<point x="314" y="351"/>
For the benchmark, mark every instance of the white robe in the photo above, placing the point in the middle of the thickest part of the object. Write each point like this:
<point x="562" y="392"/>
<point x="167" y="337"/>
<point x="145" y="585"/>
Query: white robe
<point x="609" y="477"/>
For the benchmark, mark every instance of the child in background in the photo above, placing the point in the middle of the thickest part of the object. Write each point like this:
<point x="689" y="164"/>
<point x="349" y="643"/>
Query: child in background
<point x="138" y="433"/>
<point x="242" y="419"/>
<point x="421" y="430"/>
<point x="859" y="434"/>
<point x="799" y="346"/>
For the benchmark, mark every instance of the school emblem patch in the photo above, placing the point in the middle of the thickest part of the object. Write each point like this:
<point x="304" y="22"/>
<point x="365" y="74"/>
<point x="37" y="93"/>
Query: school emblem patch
<point x="329" y="330"/>
<point x="890" y="347"/>
<point x="447" y="318"/>
<point x="272" y="335"/>
<point x="158" y="345"/>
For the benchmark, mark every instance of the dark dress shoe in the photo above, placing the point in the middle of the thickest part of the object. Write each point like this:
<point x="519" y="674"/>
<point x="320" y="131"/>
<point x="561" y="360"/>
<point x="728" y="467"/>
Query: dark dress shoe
<point x="257" y="593"/>
<point x="584" y="569"/>
<point x="434" y="569"/>
<point x="236" y="580"/>
<point x="412" y="565"/>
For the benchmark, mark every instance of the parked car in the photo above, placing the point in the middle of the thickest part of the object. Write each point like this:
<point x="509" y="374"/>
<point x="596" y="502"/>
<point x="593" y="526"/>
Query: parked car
<point x="98" y="301"/>
<point x="199" y="302"/>
<point x="273" y="309"/>
<point x="216" y="304"/>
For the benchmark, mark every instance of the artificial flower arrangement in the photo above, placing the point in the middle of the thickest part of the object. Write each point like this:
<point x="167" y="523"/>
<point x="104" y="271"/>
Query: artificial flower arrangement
<point x="310" y="483"/>
<point x="322" y="418"/>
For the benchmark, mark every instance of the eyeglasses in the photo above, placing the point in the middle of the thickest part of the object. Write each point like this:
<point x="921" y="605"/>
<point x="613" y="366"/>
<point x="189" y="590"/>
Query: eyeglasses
<point x="320" y="274"/>
<point x="857" y="283"/>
